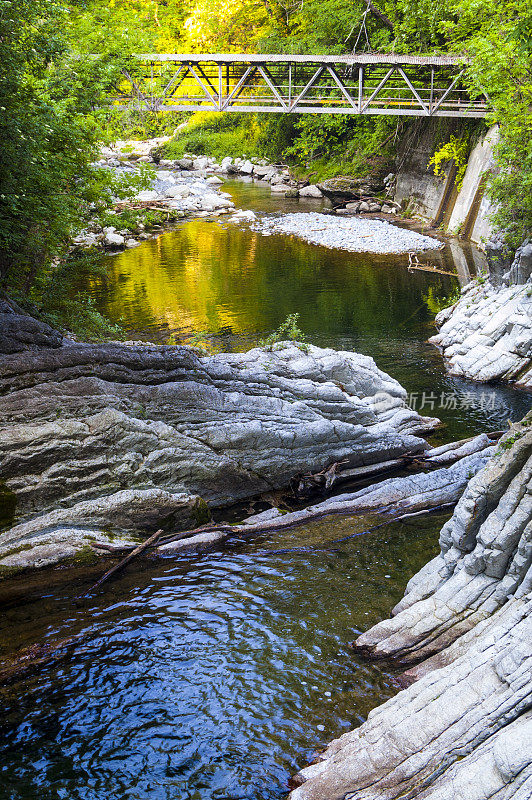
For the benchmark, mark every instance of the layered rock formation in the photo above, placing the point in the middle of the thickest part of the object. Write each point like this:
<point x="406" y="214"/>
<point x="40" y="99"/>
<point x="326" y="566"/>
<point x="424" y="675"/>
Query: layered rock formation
<point x="464" y="728"/>
<point x="114" y="439"/>
<point x="487" y="335"/>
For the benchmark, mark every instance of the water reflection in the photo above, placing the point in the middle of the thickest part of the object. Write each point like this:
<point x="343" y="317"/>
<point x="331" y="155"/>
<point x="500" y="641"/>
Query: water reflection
<point x="229" y="286"/>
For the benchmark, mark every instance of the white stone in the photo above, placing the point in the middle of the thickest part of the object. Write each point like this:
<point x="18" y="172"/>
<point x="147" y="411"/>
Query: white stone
<point x="310" y="191"/>
<point x="147" y="196"/>
<point x="247" y="167"/>
<point x="243" y="216"/>
<point x="114" y="240"/>
<point x="179" y="190"/>
<point x="201" y="163"/>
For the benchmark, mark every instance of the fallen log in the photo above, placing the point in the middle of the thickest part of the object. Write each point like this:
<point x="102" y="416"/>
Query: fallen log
<point x="393" y="498"/>
<point x="444" y="455"/>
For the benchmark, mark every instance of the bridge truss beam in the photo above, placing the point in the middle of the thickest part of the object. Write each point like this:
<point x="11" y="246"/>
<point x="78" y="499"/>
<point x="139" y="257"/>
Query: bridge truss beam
<point x="355" y="84"/>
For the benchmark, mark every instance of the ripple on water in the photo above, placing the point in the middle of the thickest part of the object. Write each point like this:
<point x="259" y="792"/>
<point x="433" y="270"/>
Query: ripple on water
<point x="207" y="678"/>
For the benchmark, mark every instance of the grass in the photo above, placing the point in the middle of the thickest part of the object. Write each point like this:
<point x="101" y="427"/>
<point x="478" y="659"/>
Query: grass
<point x="217" y="135"/>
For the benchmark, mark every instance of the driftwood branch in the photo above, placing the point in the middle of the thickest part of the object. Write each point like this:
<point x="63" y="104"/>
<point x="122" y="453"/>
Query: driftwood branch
<point x="135" y="552"/>
<point x="432" y="497"/>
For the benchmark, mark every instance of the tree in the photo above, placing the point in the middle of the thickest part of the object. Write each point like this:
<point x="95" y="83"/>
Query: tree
<point x="46" y="142"/>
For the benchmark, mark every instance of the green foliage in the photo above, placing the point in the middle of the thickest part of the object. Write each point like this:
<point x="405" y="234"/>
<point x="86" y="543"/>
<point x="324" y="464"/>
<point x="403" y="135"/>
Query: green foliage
<point x="288" y="331"/>
<point x="340" y="144"/>
<point x="48" y="134"/>
<point x="58" y="300"/>
<point x="497" y="38"/>
<point x="508" y="443"/>
<point x="456" y="150"/>
<point x="217" y="135"/>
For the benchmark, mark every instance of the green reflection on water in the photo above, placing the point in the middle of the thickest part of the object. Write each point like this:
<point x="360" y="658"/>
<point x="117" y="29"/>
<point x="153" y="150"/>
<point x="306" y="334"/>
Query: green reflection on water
<point x="230" y="286"/>
<point x="219" y="278"/>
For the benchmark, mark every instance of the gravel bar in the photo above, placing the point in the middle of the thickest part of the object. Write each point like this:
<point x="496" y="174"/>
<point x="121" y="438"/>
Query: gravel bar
<point x="347" y="233"/>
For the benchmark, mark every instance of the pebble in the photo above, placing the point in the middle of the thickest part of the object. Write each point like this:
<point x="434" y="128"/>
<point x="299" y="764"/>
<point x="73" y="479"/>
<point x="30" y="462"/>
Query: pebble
<point x="347" y="233"/>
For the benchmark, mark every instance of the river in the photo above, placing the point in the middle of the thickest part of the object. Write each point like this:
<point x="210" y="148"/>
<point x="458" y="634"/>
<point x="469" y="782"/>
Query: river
<point x="219" y="676"/>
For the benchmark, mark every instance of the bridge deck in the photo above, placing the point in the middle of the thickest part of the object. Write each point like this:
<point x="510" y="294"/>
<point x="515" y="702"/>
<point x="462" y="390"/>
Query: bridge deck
<point x="375" y="83"/>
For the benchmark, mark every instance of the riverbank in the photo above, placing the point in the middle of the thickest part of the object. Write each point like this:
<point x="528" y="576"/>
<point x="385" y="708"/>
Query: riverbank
<point x="487" y="334"/>
<point x="191" y="186"/>
<point x="464" y="727"/>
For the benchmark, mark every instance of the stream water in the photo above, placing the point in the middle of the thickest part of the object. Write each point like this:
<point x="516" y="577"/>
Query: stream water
<point x="219" y="676"/>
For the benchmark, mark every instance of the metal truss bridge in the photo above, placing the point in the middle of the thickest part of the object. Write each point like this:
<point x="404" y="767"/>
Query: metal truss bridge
<point x="419" y="86"/>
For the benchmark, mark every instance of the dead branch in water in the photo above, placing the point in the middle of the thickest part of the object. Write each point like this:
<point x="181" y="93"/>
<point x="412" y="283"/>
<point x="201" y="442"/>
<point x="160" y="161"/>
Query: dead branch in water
<point x="135" y="552"/>
<point x="415" y="263"/>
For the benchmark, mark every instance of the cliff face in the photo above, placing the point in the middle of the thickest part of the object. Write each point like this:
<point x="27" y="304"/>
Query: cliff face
<point x="464" y="728"/>
<point x="436" y="198"/>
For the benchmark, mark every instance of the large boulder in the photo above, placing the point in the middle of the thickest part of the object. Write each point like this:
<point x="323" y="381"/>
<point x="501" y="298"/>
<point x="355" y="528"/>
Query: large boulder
<point x="85" y="422"/>
<point x="463" y="729"/>
<point x="310" y="191"/>
<point x="487" y="335"/>
<point x="344" y="190"/>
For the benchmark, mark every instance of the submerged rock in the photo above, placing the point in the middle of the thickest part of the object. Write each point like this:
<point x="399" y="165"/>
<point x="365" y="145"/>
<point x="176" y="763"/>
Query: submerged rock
<point x="82" y="423"/>
<point x="464" y="728"/>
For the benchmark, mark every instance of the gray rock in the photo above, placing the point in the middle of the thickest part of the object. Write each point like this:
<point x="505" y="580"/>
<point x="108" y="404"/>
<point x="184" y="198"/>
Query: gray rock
<point x="521" y="270"/>
<point x="260" y="170"/>
<point x="310" y="191"/>
<point x="363" y="208"/>
<point x="247" y="167"/>
<point x="114" y="240"/>
<point x="82" y="423"/>
<point x="487" y="335"/>
<point x="342" y="190"/>
<point x="464" y="728"/>
<point x="19" y="331"/>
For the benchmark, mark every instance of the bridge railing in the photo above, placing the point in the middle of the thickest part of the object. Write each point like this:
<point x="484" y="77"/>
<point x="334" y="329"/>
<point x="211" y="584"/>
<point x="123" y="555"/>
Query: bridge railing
<point x="363" y="84"/>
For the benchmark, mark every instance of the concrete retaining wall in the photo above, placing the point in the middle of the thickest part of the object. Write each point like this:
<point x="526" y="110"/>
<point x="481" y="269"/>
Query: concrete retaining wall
<point x="435" y="198"/>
